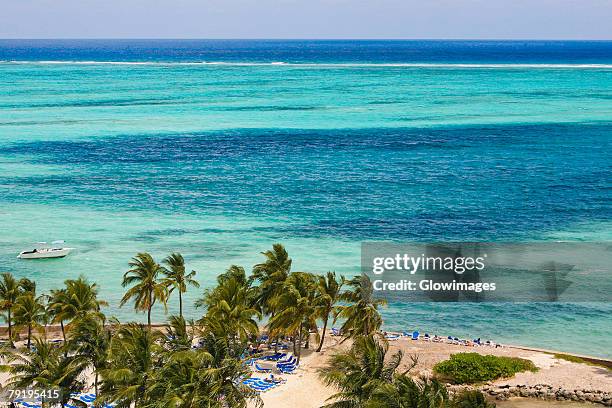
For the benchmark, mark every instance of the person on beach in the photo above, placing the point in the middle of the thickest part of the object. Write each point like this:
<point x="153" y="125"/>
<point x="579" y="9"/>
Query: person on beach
<point x="273" y="379"/>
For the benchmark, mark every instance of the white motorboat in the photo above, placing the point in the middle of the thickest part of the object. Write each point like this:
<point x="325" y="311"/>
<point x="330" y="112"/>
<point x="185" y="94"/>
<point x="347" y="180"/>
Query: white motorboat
<point x="43" y="251"/>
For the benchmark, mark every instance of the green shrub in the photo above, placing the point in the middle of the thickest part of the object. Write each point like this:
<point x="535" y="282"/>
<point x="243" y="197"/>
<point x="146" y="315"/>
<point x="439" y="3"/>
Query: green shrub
<point x="468" y="368"/>
<point x="471" y="399"/>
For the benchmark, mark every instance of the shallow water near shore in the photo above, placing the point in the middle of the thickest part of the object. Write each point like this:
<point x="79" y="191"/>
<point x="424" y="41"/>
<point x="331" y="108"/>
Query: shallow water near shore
<point x="534" y="403"/>
<point x="342" y="143"/>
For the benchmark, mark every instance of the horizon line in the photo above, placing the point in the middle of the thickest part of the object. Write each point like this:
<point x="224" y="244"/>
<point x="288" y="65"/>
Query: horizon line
<point x="303" y="39"/>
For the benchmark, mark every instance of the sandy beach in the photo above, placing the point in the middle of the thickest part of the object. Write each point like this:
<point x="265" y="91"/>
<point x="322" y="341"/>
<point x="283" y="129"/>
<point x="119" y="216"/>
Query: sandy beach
<point x="305" y="390"/>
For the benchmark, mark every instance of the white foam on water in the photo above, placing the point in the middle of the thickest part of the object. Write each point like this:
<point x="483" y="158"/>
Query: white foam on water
<point x="322" y="65"/>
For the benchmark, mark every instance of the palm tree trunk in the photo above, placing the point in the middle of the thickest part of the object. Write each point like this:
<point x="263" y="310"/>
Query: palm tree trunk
<point x="64" y="337"/>
<point x="96" y="382"/>
<point x="63" y="330"/>
<point x="275" y="339"/>
<point x="180" y="303"/>
<point x="149" y="317"/>
<point x="10" y="328"/>
<point x="323" y="335"/>
<point x="29" y="335"/>
<point x="299" y="345"/>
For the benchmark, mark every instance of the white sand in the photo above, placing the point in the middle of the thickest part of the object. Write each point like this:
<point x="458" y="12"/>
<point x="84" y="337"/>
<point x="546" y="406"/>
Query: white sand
<point x="305" y="390"/>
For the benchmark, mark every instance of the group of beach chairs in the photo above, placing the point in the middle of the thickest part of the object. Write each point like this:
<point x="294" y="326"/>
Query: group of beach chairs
<point x="416" y="335"/>
<point x="285" y="364"/>
<point x="87" y="398"/>
<point x="262" y="384"/>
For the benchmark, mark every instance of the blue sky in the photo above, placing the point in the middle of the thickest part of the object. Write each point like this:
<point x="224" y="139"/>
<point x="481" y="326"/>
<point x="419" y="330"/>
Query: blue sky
<point x="469" y="19"/>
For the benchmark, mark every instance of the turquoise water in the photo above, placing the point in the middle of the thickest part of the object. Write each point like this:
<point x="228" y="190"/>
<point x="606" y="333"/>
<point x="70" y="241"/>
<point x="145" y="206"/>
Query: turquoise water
<point x="119" y="148"/>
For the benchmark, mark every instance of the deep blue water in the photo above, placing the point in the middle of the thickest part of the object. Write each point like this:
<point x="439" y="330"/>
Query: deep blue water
<point x="314" y="51"/>
<point x="454" y="183"/>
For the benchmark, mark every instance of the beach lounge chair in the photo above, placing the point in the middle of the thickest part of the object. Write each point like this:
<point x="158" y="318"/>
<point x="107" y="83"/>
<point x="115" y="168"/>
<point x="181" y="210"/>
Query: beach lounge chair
<point x="258" y="384"/>
<point x="287" y="364"/>
<point x="287" y="368"/>
<point x="415" y="335"/>
<point x="335" y="332"/>
<point x="290" y="369"/>
<point x="87" y="398"/>
<point x="27" y="404"/>
<point x="290" y="363"/>
<point x="258" y="388"/>
<point x="392" y="337"/>
<point x="261" y="369"/>
<point x="276" y="356"/>
<point x="290" y="360"/>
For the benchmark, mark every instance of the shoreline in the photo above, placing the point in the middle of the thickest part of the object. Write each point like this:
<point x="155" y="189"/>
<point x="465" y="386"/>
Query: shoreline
<point x="55" y="329"/>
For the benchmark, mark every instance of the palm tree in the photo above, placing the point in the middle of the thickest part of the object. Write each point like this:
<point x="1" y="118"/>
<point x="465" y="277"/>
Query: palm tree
<point x="328" y="294"/>
<point x="178" y="333"/>
<point x="57" y="300"/>
<point x="27" y="285"/>
<point x="271" y="274"/>
<point x="296" y="312"/>
<point x="229" y="311"/>
<point x="193" y="379"/>
<point x="358" y="373"/>
<point x="44" y="366"/>
<point x="361" y="312"/>
<point x="90" y="343"/>
<point x="147" y="288"/>
<point x="176" y="277"/>
<point x="9" y="292"/>
<point x="133" y="356"/>
<point x="79" y="299"/>
<point x="29" y="312"/>
<point x="405" y="392"/>
<point x="82" y="299"/>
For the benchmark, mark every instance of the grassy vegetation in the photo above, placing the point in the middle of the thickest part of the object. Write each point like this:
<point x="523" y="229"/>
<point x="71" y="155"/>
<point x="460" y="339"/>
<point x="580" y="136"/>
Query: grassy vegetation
<point x="469" y="368"/>
<point x="580" y="360"/>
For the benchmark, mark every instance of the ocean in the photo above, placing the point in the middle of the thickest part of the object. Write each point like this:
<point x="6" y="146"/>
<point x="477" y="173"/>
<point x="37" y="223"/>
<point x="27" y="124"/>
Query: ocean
<point x="218" y="149"/>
